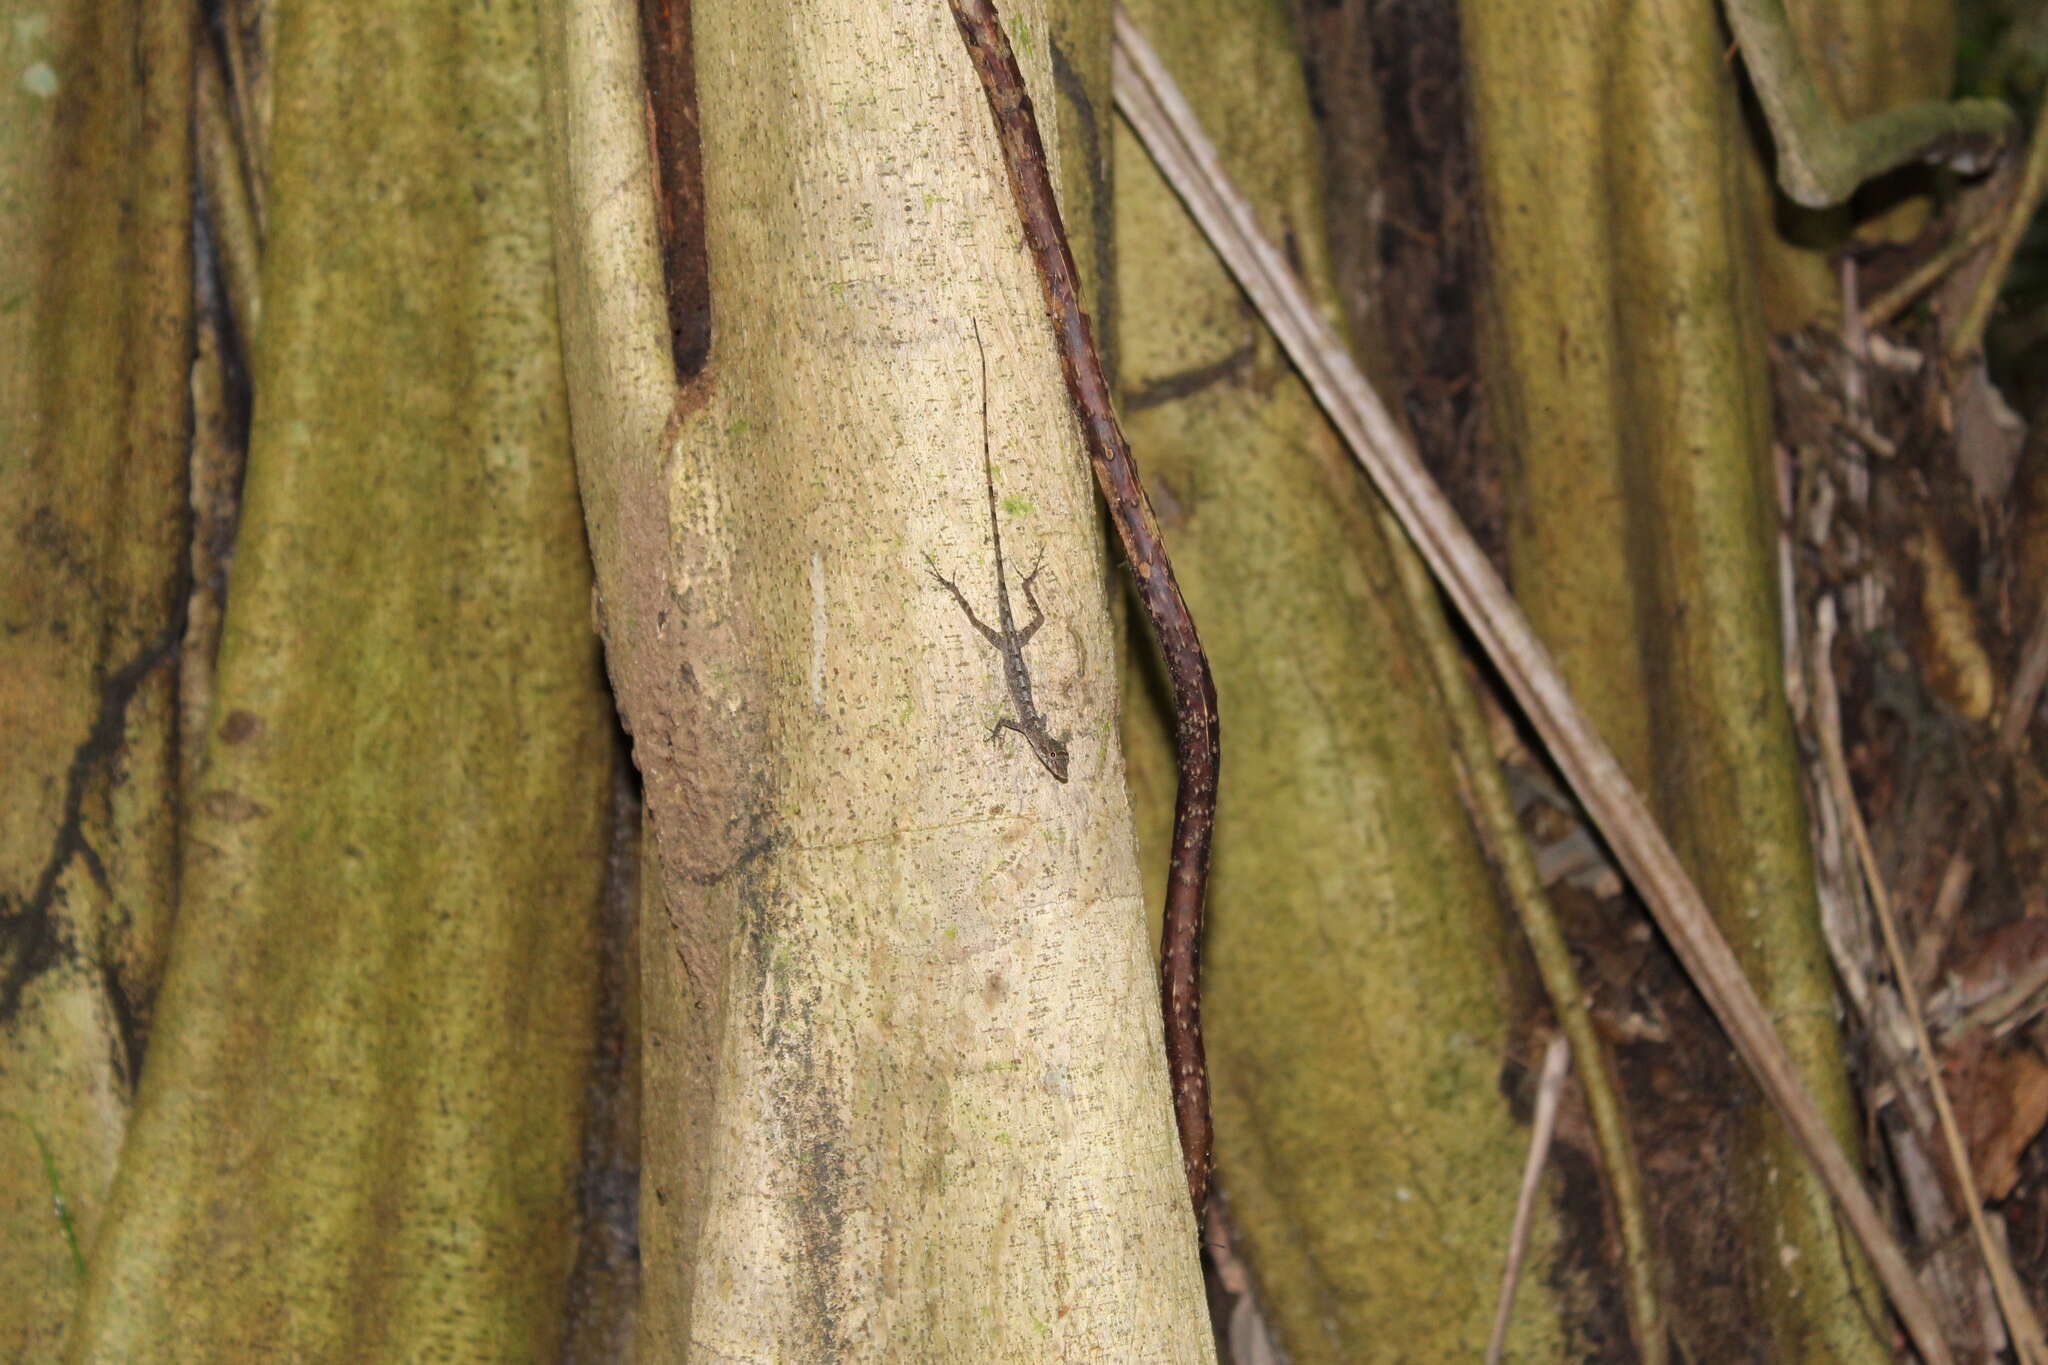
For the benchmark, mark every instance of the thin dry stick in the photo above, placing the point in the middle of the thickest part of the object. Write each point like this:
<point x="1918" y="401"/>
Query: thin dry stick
<point x="2007" y="1010"/>
<point x="1856" y="348"/>
<point x="1549" y="1091"/>
<point x="2020" y="1322"/>
<point x="1163" y="121"/>
<point x="1493" y="811"/>
<point x="1948" y="900"/>
<point x="2027" y="681"/>
<point x="1892" y="301"/>
<point x="2026" y="196"/>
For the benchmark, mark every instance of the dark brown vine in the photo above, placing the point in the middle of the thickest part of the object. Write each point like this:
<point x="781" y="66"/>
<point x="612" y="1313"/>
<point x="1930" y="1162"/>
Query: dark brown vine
<point x="1187" y="668"/>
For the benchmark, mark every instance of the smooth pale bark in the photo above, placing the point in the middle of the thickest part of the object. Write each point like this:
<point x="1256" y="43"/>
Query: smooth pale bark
<point x="905" y="1094"/>
<point x="95" y="332"/>
<point x="1357" y="961"/>
<point x="358" y="1127"/>
<point x="1629" y="378"/>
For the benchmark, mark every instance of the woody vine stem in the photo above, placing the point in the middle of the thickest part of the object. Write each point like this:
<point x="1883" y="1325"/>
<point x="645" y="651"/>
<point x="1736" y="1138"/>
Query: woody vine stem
<point x="1187" y="668"/>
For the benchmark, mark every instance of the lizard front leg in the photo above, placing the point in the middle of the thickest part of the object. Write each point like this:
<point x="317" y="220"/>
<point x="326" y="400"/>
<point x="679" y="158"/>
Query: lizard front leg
<point x="993" y="636"/>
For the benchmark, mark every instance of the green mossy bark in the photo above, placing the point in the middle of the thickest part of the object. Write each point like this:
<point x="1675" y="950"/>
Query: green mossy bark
<point x="1866" y="56"/>
<point x="358" y="1128"/>
<point x="1356" y="997"/>
<point x="95" y="336"/>
<point x="1629" y="376"/>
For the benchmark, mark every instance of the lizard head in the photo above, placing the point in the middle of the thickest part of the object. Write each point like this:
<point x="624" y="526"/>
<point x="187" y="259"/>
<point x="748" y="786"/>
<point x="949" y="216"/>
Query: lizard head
<point x="1052" y="753"/>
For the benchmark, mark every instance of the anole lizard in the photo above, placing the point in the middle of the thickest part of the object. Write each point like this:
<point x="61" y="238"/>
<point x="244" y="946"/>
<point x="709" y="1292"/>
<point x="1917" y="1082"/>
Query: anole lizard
<point x="1010" y="639"/>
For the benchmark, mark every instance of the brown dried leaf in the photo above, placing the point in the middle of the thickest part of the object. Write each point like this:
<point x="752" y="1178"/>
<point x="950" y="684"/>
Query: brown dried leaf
<point x="1988" y="436"/>
<point x="2001" y="1100"/>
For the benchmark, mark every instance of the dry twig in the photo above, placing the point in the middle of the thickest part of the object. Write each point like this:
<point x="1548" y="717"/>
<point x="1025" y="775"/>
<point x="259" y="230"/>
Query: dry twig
<point x="1549" y="1091"/>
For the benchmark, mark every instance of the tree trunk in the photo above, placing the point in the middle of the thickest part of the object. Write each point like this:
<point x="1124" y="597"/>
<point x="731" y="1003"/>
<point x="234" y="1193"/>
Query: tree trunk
<point x="356" y="1132"/>
<point x="905" y="1089"/>
<point x="312" y="808"/>
<point x="1628" y="376"/>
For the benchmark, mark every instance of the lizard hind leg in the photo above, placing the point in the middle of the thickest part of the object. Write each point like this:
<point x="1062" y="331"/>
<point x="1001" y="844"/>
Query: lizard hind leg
<point x="1030" y="628"/>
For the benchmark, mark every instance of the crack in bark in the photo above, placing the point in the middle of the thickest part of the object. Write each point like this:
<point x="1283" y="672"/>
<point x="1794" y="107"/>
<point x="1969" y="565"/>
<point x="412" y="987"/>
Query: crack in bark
<point x="30" y="934"/>
<point x="1186" y="383"/>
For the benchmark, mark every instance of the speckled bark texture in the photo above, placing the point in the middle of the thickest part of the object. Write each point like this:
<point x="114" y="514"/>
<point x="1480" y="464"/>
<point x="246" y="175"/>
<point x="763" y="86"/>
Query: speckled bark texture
<point x="1357" y="964"/>
<point x="360" y="1116"/>
<point x="905" y="1098"/>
